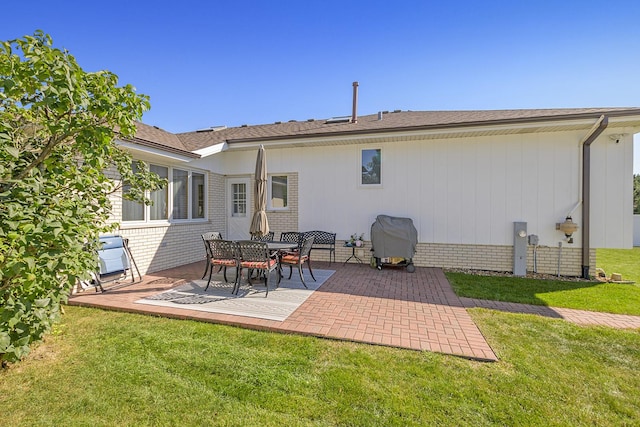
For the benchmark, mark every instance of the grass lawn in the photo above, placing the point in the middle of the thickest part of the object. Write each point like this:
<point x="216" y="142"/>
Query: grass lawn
<point x="623" y="261"/>
<point x="105" y="368"/>
<point x="595" y="296"/>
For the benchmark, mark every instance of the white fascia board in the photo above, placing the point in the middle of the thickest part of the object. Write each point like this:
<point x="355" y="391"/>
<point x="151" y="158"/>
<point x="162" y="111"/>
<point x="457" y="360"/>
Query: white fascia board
<point x="213" y="149"/>
<point x="444" y="132"/>
<point x="154" y="152"/>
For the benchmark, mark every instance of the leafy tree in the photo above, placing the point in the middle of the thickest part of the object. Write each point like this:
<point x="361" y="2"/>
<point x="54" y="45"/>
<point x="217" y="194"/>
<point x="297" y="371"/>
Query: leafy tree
<point x="636" y="194"/>
<point x="58" y="126"/>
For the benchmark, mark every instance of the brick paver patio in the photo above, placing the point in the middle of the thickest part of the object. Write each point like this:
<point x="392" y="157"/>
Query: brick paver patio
<point x="391" y="307"/>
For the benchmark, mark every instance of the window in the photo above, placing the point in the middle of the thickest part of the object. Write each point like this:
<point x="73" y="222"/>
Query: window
<point x="180" y="194"/>
<point x="239" y="199"/>
<point x="131" y="211"/>
<point x="184" y="197"/>
<point x="278" y="192"/>
<point x="371" y="167"/>
<point x="197" y="195"/>
<point x="159" y="210"/>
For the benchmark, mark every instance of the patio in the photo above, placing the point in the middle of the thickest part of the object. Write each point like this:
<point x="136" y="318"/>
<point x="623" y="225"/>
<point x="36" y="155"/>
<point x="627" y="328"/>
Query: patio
<point x="391" y="307"/>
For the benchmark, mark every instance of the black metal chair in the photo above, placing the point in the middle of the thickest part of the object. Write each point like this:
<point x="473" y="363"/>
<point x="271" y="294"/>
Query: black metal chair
<point x="256" y="255"/>
<point x="299" y="258"/>
<point x="205" y="238"/>
<point x="224" y="253"/>
<point x="264" y="238"/>
<point x="292" y="237"/>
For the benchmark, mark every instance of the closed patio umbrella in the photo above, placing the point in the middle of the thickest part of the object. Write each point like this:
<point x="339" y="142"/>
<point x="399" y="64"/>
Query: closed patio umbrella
<point x="259" y="223"/>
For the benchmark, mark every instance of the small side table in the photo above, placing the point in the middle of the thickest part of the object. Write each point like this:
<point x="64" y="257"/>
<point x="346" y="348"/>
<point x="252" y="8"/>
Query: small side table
<point x="353" y="252"/>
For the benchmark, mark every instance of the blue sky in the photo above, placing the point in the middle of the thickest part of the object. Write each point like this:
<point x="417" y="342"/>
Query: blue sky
<point x="208" y="63"/>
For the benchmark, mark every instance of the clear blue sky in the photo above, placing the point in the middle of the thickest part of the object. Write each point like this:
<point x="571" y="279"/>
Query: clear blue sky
<point x="207" y="63"/>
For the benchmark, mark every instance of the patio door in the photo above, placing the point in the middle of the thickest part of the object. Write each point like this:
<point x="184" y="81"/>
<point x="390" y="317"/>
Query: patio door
<point x="239" y="208"/>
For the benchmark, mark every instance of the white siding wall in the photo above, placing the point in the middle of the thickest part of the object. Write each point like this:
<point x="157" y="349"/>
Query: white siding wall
<point x="612" y="189"/>
<point x="460" y="191"/>
<point x="463" y="195"/>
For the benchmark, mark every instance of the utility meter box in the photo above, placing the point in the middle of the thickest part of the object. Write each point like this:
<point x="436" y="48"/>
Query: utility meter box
<point x="519" y="248"/>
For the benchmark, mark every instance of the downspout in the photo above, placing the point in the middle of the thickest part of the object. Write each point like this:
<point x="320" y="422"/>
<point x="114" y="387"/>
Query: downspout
<point x="594" y="132"/>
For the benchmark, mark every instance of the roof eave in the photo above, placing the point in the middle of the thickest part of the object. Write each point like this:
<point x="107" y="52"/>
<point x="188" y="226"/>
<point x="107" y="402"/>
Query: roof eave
<point x="156" y="149"/>
<point x="533" y="123"/>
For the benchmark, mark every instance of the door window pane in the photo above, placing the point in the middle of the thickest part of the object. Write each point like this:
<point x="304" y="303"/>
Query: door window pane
<point x="239" y="199"/>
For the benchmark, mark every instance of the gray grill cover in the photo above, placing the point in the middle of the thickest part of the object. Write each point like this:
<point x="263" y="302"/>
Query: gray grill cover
<point x="393" y="237"/>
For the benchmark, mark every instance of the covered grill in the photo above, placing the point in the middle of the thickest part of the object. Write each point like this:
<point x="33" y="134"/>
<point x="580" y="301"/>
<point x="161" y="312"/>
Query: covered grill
<point x="394" y="241"/>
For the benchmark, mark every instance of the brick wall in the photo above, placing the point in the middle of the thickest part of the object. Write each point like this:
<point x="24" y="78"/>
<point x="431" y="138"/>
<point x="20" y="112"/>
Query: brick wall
<point x="482" y="257"/>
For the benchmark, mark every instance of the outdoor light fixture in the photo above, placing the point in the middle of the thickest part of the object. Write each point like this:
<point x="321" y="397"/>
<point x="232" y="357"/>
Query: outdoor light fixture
<point x="568" y="227"/>
<point x="616" y="137"/>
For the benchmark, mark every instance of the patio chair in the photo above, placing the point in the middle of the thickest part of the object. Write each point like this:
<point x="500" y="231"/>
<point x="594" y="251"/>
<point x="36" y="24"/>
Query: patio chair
<point x="205" y="237"/>
<point x="265" y="238"/>
<point x="224" y="253"/>
<point x="293" y="237"/>
<point x="257" y="256"/>
<point x="297" y="259"/>
<point x="324" y="241"/>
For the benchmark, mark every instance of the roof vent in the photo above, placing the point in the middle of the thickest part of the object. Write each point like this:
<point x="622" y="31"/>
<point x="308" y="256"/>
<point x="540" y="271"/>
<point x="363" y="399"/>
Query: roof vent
<point x="244" y="126"/>
<point x="397" y="111"/>
<point x="278" y="123"/>
<point x="311" y="120"/>
<point x="212" y="129"/>
<point x="341" y="119"/>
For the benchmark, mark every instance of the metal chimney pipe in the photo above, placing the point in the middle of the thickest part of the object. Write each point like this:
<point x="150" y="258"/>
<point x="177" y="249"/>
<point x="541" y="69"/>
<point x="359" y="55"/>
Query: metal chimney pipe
<point x="354" y="114"/>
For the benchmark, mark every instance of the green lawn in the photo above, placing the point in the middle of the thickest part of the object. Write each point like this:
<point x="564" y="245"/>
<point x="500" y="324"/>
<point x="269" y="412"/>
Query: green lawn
<point x="595" y="296"/>
<point x="103" y="368"/>
<point x="623" y="261"/>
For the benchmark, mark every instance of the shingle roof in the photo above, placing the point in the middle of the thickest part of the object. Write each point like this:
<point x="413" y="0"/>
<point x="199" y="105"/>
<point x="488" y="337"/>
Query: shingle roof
<point x="154" y="137"/>
<point x="391" y="121"/>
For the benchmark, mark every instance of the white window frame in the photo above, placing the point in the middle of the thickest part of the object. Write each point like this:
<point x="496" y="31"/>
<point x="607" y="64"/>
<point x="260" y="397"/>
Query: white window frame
<point x="270" y="195"/>
<point x="361" y="165"/>
<point x="147" y="209"/>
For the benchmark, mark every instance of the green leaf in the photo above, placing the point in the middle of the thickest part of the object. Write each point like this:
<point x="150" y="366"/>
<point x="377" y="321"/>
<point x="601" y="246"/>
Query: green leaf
<point x="12" y="151"/>
<point x="5" y="341"/>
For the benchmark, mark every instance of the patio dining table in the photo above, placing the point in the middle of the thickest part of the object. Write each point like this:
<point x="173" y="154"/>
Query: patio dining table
<point x="276" y="246"/>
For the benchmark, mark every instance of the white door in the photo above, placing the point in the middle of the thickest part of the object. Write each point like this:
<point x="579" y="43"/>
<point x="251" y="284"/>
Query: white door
<point x="239" y="213"/>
